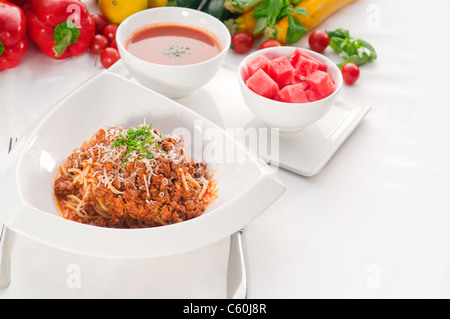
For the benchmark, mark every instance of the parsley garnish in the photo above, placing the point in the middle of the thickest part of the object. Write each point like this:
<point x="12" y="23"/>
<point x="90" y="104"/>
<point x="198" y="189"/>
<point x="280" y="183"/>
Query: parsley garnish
<point x="176" y="51"/>
<point x="137" y="140"/>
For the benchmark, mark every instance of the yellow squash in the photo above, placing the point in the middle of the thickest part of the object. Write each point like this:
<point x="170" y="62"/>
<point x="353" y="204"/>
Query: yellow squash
<point x="243" y="23"/>
<point x="318" y="11"/>
<point x="156" y="3"/>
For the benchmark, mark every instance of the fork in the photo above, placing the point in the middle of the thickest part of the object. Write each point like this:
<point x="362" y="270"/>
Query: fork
<point x="236" y="274"/>
<point x="4" y="256"/>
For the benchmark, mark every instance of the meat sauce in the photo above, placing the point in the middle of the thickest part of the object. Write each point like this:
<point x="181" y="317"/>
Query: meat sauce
<point x="133" y="197"/>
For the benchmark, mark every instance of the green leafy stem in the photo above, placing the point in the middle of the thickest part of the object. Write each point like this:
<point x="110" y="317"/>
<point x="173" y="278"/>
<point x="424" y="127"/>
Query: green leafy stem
<point x="351" y="49"/>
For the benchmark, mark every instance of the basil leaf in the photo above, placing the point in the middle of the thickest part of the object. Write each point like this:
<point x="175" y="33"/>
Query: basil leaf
<point x="351" y="49"/>
<point x="298" y="10"/>
<point x="295" y="30"/>
<point x="373" y="54"/>
<point x="275" y="7"/>
<point x="260" y="24"/>
<point x="339" y="33"/>
<point x="353" y="59"/>
<point x="261" y="10"/>
<point x="246" y="3"/>
<point x="337" y="44"/>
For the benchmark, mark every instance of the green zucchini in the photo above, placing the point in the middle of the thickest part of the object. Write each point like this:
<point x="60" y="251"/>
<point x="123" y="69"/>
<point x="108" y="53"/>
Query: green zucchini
<point x="192" y="4"/>
<point x="217" y="9"/>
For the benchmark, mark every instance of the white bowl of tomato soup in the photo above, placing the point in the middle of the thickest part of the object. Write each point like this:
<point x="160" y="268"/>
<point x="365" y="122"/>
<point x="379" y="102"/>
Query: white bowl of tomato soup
<point x="173" y="50"/>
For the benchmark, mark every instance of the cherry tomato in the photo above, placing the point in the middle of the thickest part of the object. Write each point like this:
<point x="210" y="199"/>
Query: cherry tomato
<point x="100" y="23"/>
<point x="269" y="44"/>
<point x="113" y="44"/>
<point x="318" y="40"/>
<point x="350" y="73"/>
<point x="109" y="56"/>
<point x="242" y="42"/>
<point x="110" y="31"/>
<point x="98" y="43"/>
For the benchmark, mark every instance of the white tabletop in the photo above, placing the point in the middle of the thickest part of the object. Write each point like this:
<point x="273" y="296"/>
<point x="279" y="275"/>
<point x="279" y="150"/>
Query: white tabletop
<point x="373" y="223"/>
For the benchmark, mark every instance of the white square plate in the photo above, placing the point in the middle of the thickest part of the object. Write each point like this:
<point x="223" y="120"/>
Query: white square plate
<point x="246" y="188"/>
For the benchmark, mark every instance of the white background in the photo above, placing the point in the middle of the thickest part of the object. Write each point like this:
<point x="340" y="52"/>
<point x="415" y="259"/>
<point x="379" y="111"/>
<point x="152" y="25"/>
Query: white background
<point x="372" y="224"/>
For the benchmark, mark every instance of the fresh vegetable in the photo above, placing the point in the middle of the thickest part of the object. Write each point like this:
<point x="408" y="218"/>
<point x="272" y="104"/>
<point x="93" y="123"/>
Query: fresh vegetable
<point x="242" y="42"/>
<point x="192" y="4"/>
<point x="118" y="10"/>
<point x="98" y="43"/>
<point x="110" y="31"/>
<point x="100" y="23"/>
<point x="13" y="35"/>
<point x="269" y="12"/>
<point x="157" y="3"/>
<point x="60" y="28"/>
<point x="262" y="16"/>
<point x="290" y="28"/>
<point x="239" y="6"/>
<point x="19" y="3"/>
<point x="217" y="9"/>
<point x="299" y="78"/>
<point x="113" y="44"/>
<point x="269" y="44"/>
<point x="350" y="73"/>
<point x="105" y="45"/>
<point x="318" y="40"/>
<point x="243" y="23"/>
<point x="109" y="56"/>
<point x="351" y="49"/>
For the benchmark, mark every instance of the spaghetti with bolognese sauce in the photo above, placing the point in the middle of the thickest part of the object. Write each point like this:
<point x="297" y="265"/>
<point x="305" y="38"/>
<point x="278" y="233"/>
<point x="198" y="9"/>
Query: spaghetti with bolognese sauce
<point x="132" y="178"/>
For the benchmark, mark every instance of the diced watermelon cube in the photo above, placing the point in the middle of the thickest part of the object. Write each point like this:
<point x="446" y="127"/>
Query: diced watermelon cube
<point x="281" y="71"/>
<point x="300" y="53"/>
<point x="305" y="67"/>
<point x="321" y="82"/>
<point x="312" y="95"/>
<point x="259" y="62"/>
<point x="293" y="93"/>
<point x="301" y="81"/>
<point x="262" y="84"/>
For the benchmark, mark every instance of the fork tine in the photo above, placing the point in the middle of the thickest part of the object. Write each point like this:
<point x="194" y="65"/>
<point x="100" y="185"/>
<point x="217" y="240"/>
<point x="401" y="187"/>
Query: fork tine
<point x="12" y="141"/>
<point x="4" y="256"/>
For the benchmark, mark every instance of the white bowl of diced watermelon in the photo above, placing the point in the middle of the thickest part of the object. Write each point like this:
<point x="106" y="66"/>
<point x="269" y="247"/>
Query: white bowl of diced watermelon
<point x="287" y="87"/>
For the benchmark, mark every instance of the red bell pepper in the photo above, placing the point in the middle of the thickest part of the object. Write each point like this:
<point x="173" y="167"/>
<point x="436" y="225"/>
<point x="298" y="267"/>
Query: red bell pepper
<point x="19" y="3"/>
<point x="13" y="35"/>
<point x="60" y="28"/>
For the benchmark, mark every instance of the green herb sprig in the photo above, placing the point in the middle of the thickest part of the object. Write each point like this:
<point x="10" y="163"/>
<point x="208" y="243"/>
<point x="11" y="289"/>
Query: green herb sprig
<point x="351" y="49"/>
<point x="268" y="12"/>
<point x="137" y="140"/>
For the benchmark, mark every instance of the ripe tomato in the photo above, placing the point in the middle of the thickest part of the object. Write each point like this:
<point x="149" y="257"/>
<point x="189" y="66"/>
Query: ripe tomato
<point x="113" y="44"/>
<point x="350" y="73"/>
<point x="98" y="43"/>
<point x="100" y="23"/>
<point x="109" y="56"/>
<point x="242" y="42"/>
<point x="110" y="31"/>
<point x="318" y="40"/>
<point x="269" y="43"/>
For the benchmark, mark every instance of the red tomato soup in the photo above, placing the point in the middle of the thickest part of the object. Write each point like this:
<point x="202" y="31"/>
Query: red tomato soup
<point x="173" y="44"/>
